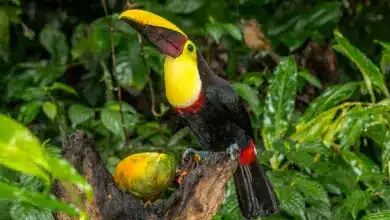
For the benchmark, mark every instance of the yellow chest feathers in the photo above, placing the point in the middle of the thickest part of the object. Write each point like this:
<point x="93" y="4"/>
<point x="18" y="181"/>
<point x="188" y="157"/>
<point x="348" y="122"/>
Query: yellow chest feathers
<point x="182" y="81"/>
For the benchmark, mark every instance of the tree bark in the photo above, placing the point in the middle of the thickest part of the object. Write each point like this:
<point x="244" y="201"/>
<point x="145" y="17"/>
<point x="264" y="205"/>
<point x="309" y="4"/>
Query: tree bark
<point x="198" y="197"/>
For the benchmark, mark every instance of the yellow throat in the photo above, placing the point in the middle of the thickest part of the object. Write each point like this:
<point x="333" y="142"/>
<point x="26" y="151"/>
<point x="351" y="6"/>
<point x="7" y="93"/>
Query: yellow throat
<point x="182" y="80"/>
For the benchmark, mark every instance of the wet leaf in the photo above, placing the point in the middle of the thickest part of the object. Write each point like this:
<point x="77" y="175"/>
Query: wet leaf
<point x="280" y="102"/>
<point x="79" y="114"/>
<point x="26" y="211"/>
<point x="50" y="109"/>
<point x="357" y="201"/>
<point x="9" y="192"/>
<point x="291" y="202"/>
<point x="371" y="74"/>
<point x="313" y="191"/>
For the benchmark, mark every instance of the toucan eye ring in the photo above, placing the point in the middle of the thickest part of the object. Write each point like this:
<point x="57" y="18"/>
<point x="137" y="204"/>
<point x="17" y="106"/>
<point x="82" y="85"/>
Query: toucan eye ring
<point x="190" y="47"/>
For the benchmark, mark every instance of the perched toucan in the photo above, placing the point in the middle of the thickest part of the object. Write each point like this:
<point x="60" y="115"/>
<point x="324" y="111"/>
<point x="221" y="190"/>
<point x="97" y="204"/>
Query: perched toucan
<point x="213" y="111"/>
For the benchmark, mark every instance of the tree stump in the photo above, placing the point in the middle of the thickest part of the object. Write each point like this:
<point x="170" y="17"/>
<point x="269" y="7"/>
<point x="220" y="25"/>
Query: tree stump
<point x="198" y="197"/>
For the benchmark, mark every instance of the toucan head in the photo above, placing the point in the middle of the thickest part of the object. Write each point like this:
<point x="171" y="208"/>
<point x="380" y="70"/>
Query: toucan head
<point x="181" y="75"/>
<point x="165" y="36"/>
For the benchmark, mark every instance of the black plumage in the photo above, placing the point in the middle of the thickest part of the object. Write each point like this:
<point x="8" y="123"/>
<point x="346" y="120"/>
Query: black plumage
<point x="221" y="122"/>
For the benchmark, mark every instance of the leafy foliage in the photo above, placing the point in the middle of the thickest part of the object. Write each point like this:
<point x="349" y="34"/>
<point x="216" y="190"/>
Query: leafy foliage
<point x="321" y="126"/>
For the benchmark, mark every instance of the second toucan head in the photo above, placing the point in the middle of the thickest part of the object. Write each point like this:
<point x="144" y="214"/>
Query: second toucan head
<point x="165" y="36"/>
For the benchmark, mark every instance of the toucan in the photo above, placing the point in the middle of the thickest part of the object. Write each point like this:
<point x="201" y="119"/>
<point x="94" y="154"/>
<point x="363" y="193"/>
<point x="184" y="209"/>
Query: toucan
<point x="215" y="114"/>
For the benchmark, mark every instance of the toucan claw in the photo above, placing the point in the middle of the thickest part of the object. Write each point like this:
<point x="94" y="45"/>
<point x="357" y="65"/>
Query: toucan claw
<point x="233" y="151"/>
<point x="197" y="155"/>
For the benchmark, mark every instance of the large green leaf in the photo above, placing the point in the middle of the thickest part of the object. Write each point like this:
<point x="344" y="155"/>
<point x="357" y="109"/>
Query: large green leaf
<point x="280" y="102"/>
<point x="55" y="43"/>
<point x="332" y="96"/>
<point x="371" y="73"/>
<point x="9" y="192"/>
<point x="20" y="149"/>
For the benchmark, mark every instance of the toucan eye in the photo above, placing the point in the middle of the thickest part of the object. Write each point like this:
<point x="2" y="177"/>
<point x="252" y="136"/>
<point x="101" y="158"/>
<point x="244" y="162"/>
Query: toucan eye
<point x="190" y="47"/>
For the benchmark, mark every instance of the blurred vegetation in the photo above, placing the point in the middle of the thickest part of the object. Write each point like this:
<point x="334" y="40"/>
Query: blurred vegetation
<point x="314" y="75"/>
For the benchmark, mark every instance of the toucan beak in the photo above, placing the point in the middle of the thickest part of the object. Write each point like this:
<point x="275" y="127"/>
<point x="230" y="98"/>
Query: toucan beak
<point x="165" y="36"/>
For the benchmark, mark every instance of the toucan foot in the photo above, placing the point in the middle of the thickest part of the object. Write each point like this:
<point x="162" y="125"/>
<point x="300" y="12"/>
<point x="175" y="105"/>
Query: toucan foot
<point x="147" y="203"/>
<point x="194" y="153"/>
<point x="233" y="151"/>
<point x="181" y="176"/>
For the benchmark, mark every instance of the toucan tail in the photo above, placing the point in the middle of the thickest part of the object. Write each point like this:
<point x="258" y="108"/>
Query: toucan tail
<point x="255" y="194"/>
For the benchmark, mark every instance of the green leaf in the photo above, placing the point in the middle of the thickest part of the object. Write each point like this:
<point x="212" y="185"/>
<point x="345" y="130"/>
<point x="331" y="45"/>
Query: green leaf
<point x="130" y="68"/>
<point x="234" y="31"/>
<point x="357" y="201"/>
<point x="8" y="192"/>
<point x="377" y="216"/>
<point x="62" y="170"/>
<point x="291" y="201"/>
<point x="215" y="30"/>
<point x="26" y="211"/>
<point x="116" y="106"/>
<point x="112" y="121"/>
<point x="250" y="95"/>
<point x="371" y="74"/>
<point x="310" y="78"/>
<point x="55" y="43"/>
<point x="332" y="96"/>
<point x="20" y="149"/>
<point x="385" y="62"/>
<point x="385" y="155"/>
<point x="63" y="87"/>
<point x="294" y="29"/>
<point x="50" y="109"/>
<point x="184" y="6"/>
<point x="79" y="114"/>
<point x="29" y="111"/>
<point x="280" y="102"/>
<point x="359" y="164"/>
<point x="313" y="191"/>
<point x="5" y="36"/>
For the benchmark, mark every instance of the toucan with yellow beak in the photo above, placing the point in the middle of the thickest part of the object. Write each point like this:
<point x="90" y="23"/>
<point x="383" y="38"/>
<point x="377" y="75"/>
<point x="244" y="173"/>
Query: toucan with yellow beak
<point x="214" y="112"/>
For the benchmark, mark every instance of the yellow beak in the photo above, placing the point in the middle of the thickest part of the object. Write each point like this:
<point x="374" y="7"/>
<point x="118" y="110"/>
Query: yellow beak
<point x="165" y="36"/>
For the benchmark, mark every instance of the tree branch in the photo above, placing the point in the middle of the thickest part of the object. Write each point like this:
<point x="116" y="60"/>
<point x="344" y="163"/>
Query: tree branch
<point x="198" y="197"/>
